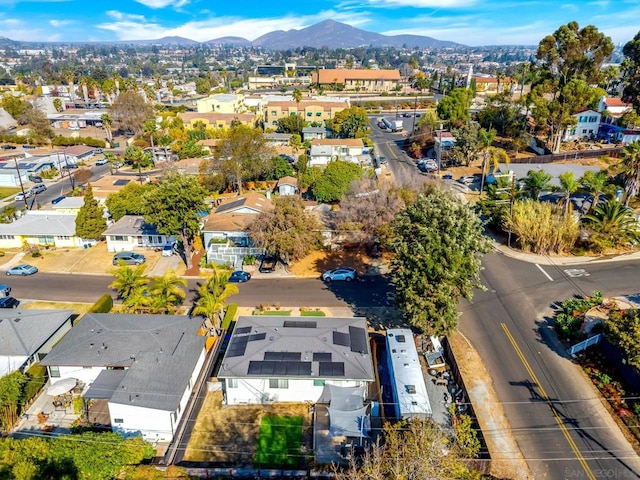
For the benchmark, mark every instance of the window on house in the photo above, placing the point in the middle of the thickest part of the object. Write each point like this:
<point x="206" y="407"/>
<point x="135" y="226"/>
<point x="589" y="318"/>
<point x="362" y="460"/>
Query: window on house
<point x="118" y="420"/>
<point x="584" y="131"/>
<point x="273" y="113"/>
<point x="232" y="383"/>
<point x="54" y="372"/>
<point x="6" y="237"/>
<point x="309" y="114"/>
<point x="63" y="237"/>
<point x="118" y="238"/>
<point x="278" y="383"/>
<point x="593" y="119"/>
<point x="318" y="114"/>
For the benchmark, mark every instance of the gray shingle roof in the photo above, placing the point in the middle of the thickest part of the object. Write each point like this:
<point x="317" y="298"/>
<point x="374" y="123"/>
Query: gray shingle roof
<point x="22" y="332"/>
<point x="41" y="223"/>
<point x="131" y="225"/>
<point x="308" y="347"/>
<point x="160" y="351"/>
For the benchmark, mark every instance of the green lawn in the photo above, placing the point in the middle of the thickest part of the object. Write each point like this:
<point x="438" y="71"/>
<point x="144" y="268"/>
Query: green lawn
<point x="274" y="313"/>
<point x="279" y="442"/>
<point x="312" y="313"/>
<point x="8" y="191"/>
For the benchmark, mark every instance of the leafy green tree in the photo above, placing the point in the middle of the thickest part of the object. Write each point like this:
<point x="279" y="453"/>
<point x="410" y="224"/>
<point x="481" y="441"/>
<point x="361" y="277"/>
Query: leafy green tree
<point x="402" y="453"/>
<point x="138" y="159"/>
<point x="213" y="296"/>
<point x="190" y="149"/>
<point x="15" y="106"/>
<point x="243" y="154"/>
<point x="350" y="122"/>
<point x="127" y="201"/>
<point x="612" y="224"/>
<point x="291" y="124"/>
<point x="287" y="231"/>
<point x="203" y="86"/>
<point x="167" y="292"/>
<point x="631" y="72"/>
<point x="622" y="329"/>
<point x="536" y="182"/>
<point x="335" y="180"/>
<point x="455" y="106"/>
<point x="630" y="169"/>
<point x="280" y="167"/>
<point x="40" y="131"/>
<point x="90" y="222"/>
<point x="173" y="208"/>
<point x="569" y="186"/>
<point x="11" y="398"/>
<point x="57" y="104"/>
<point x="437" y="242"/>
<point x="129" y="280"/>
<point x="467" y="143"/>
<point x="594" y="183"/>
<point x="500" y="112"/>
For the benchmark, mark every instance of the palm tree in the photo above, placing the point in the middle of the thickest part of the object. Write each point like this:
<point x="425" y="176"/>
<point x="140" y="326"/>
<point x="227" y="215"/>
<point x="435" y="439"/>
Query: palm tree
<point x="594" y="183"/>
<point x="630" y="170"/>
<point x="107" y="123"/>
<point x="149" y="129"/>
<point x="613" y="223"/>
<point x="535" y="182"/>
<point x="84" y="82"/>
<point x="128" y="281"/>
<point x="569" y="186"/>
<point x="166" y="293"/>
<point x="492" y="157"/>
<point x="212" y="297"/>
<point x="297" y="97"/>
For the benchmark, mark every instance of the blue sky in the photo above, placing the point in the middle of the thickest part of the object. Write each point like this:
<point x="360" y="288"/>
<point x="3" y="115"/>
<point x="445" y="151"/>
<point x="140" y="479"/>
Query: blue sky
<point x="471" y="22"/>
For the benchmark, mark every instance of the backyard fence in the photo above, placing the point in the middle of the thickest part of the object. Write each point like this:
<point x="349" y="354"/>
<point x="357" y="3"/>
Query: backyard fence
<point x="579" y="347"/>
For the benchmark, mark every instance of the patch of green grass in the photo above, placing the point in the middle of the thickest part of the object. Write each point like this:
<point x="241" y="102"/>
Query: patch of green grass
<point x="8" y="191"/>
<point x="312" y="313"/>
<point x="274" y="313"/>
<point x="279" y="442"/>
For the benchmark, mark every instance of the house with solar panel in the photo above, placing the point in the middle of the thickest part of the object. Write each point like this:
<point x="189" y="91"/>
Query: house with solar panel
<point x="131" y="232"/>
<point x="285" y="359"/>
<point x="410" y="396"/>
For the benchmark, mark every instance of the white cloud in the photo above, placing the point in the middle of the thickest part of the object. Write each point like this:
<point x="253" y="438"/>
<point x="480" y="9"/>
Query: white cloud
<point x="163" y="3"/>
<point x="423" y="3"/>
<point x="59" y="23"/>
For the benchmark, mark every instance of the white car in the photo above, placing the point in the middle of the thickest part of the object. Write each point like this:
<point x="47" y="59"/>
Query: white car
<point x="102" y="161"/>
<point x="467" y="179"/>
<point x="341" y="273"/>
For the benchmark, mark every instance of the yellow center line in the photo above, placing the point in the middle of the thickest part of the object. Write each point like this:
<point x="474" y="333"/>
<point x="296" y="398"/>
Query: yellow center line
<point x="546" y="398"/>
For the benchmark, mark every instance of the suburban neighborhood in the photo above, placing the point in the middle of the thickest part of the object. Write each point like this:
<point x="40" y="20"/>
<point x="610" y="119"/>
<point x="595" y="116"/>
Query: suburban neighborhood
<point x="320" y="262"/>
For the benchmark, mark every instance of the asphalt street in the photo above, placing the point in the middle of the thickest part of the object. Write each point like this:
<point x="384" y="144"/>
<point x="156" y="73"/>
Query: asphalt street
<point x="559" y="423"/>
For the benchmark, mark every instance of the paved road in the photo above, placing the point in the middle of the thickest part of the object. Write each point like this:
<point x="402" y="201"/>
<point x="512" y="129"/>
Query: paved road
<point x="561" y="427"/>
<point x="289" y="292"/>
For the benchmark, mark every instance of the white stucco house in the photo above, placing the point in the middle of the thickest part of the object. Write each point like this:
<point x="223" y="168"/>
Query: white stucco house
<point x="27" y="336"/>
<point x="286" y="359"/>
<point x="132" y="232"/>
<point x="287" y="186"/>
<point x="587" y="124"/>
<point x="41" y="228"/>
<point x="324" y="150"/>
<point x="225" y="229"/>
<point x="144" y="367"/>
<point x="614" y="106"/>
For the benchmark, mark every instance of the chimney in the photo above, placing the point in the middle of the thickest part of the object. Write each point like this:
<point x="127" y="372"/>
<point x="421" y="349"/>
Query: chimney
<point x="268" y="194"/>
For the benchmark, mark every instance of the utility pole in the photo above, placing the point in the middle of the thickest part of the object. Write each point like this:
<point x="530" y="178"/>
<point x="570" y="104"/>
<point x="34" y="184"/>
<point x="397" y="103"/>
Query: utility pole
<point x="512" y="196"/>
<point x="24" y="197"/>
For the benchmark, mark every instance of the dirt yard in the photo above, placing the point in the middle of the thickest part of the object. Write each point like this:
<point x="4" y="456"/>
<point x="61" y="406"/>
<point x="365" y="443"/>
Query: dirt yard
<point x="322" y="260"/>
<point x="228" y="436"/>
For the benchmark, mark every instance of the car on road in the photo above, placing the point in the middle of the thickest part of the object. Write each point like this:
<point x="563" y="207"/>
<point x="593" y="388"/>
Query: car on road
<point x="22" y="196"/>
<point x="102" y="161"/>
<point x="9" y="302"/>
<point x="9" y="147"/>
<point x="22" y="269"/>
<point x="128" y="258"/>
<point x="346" y="274"/>
<point x="57" y="200"/>
<point x="382" y="160"/>
<point x="239" y="276"/>
<point x="5" y="290"/>
<point x="427" y="166"/>
<point x="38" y="188"/>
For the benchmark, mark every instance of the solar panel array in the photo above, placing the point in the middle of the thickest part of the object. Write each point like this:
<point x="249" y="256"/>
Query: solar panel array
<point x="279" y="368"/>
<point x="356" y="339"/>
<point x="300" y="324"/>
<point x="322" y="357"/>
<point x="331" y="369"/>
<point x="283" y="356"/>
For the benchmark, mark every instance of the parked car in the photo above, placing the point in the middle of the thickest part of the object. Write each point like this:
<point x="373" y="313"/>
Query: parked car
<point x="102" y="161"/>
<point x="128" y="258"/>
<point x="9" y="147"/>
<point x="169" y="249"/>
<point x="467" y="179"/>
<point x="240" y="276"/>
<point x="9" y="302"/>
<point x="22" y="196"/>
<point x="38" y="188"/>
<point x="5" y="290"/>
<point x="69" y="166"/>
<point x="341" y="273"/>
<point x="382" y="160"/>
<point x="35" y="178"/>
<point x="22" y="269"/>
<point x="57" y="200"/>
<point x="268" y="264"/>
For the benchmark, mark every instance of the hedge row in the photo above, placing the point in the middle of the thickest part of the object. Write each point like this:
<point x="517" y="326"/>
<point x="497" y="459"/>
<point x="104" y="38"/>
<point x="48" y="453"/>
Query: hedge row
<point x="36" y="378"/>
<point x="229" y="315"/>
<point x="58" y="141"/>
<point x="103" y="305"/>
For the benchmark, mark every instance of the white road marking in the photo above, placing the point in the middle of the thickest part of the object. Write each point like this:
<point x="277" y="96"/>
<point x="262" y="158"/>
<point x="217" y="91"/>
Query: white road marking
<point x="576" y="272"/>
<point x="544" y="273"/>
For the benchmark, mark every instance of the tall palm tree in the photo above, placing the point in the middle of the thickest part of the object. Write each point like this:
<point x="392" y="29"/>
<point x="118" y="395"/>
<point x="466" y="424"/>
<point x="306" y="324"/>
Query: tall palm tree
<point x="107" y="123"/>
<point x="492" y="157"/>
<point x="149" y="129"/>
<point x="83" y="83"/>
<point x="569" y="186"/>
<point x="297" y="97"/>
<point x="594" y="183"/>
<point x="166" y="292"/>
<point x="212" y="297"/>
<point x="630" y="170"/>
<point x="127" y="281"/>
<point x="535" y="182"/>
<point x="613" y="223"/>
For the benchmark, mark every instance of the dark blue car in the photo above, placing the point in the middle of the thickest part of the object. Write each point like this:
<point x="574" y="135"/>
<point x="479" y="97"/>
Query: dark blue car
<point x="240" y="276"/>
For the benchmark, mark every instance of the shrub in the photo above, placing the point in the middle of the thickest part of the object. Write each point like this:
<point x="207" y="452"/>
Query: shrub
<point x="249" y="260"/>
<point x="229" y="315"/>
<point x="36" y="254"/>
<point x="103" y="305"/>
<point x="36" y="378"/>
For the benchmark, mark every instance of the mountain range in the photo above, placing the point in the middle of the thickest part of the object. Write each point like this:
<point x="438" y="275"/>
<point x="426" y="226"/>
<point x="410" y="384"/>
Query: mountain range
<point x="328" y="33"/>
